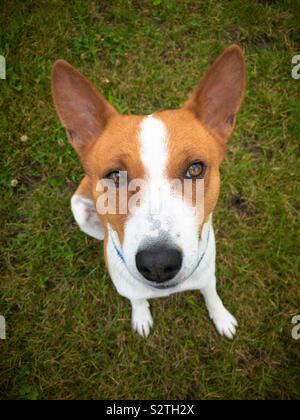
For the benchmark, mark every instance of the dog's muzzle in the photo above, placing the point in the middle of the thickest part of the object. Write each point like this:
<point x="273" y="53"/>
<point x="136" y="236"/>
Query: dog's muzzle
<point x="159" y="263"/>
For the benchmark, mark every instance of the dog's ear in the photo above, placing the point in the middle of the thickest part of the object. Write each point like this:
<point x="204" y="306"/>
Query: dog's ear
<point x="82" y="111"/>
<point x="218" y="97"/>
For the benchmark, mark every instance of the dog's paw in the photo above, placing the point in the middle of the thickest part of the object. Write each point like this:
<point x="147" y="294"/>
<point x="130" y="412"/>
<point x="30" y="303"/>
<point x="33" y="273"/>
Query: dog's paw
<point x="225" y="323"/>
<point x="142" y="320"/>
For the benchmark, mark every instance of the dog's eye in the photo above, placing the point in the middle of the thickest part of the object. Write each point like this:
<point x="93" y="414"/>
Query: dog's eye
<point x="195" y="170"/>
<point x="114" y="176"/>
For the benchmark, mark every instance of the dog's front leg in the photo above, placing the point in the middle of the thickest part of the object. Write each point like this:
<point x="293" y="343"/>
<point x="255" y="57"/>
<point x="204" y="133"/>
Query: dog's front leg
<point x="141" y="318"/>
<point x="225" y="323"/>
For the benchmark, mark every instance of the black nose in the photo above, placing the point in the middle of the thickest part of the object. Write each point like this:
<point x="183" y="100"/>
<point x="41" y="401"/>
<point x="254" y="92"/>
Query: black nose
<point x="159" y="263"/>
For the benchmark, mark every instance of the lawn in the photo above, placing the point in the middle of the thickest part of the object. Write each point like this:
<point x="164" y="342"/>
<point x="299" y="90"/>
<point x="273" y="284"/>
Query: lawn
<point x="68" y="331"/>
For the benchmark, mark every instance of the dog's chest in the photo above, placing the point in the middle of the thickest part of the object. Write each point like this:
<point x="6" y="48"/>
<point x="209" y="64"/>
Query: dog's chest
<point x="131" y="288"/>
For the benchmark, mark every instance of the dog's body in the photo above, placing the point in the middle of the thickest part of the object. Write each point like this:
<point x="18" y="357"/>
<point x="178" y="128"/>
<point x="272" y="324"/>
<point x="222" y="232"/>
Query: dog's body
<point x="151" y="253"/>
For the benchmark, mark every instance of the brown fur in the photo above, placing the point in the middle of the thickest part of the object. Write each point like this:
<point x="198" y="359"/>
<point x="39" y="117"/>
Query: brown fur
<point x="190" y="141"/>
<point x="118" y="149"/>
<point x="106" y="141"/>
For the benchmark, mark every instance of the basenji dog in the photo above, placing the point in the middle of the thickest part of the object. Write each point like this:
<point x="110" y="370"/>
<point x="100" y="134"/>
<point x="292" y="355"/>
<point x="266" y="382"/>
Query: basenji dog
<point x="153" y="251"/>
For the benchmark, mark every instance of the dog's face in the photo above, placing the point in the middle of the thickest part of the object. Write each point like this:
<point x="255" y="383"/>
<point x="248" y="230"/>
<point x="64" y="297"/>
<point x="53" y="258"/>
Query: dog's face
<point x="160" y="228"/>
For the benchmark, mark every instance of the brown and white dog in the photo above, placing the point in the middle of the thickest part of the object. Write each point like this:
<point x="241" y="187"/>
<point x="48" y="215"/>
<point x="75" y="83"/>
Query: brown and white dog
<point x="153" y="254"/>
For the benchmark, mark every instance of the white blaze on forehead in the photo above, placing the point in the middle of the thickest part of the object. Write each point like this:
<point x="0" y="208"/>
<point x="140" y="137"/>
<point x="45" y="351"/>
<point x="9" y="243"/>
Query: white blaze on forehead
<point x="154" y="149"/>
<point x="153" y="139"/>
<point x="162" y="215"/>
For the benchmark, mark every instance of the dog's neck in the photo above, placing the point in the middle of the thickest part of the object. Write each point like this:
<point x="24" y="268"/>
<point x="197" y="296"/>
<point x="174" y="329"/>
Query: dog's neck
<point x="116" y="253"/>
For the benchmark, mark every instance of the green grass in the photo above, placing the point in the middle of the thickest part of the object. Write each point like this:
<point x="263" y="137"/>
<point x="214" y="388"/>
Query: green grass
<point x="68" y="331"/>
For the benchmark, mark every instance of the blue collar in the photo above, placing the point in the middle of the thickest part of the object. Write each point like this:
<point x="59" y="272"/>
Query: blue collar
<point x="204" y="252"/>
<point x="118" y="251"/>
<point x="120" y="255"/>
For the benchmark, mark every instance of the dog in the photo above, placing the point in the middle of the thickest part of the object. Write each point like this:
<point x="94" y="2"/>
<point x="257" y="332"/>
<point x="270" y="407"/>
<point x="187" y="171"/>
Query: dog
<point x="149" y="253"/>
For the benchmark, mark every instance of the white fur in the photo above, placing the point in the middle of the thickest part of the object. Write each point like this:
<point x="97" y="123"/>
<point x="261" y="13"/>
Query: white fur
<point x="133" y="289"/>
<point x="141" y="318"/>
<point x="162" y="215"/>
<point x="86" y="216"/>
<point x="151" y="222"/>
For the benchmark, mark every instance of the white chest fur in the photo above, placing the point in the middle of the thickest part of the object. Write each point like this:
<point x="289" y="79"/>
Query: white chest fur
<point x="202" y="278"/>
<point x="131" y="288"/>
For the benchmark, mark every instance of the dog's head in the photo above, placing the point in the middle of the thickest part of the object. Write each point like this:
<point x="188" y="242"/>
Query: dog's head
<point x="144" y="161"/>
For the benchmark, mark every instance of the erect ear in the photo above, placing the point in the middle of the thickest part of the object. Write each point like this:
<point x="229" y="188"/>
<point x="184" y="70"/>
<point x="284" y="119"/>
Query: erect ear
<point x="82" y="111"/>
<point x="218" y="97"/>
